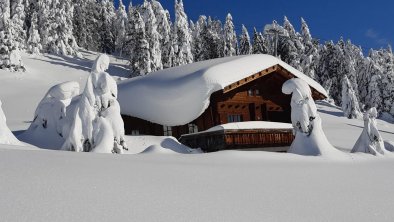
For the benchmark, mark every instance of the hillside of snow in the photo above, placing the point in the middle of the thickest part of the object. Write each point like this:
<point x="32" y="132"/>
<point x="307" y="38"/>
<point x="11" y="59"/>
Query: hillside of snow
<point x="162" y="184"/>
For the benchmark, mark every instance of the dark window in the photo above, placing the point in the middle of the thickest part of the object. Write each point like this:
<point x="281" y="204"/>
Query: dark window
<point x="193" y="128"/>
<point x="135" y="132"/>
<point x="257" y="92"/>
<point x="234" y="118"/>
<point x="167" y="130"/>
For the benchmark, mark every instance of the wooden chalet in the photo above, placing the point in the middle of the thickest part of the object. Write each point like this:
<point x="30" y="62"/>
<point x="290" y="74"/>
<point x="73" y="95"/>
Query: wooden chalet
<point x="255" y="97"/>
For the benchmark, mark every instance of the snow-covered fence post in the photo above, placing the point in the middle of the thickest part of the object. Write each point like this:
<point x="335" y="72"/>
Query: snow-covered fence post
<point x="309" y="139"/>
<point x="370" y="140"/>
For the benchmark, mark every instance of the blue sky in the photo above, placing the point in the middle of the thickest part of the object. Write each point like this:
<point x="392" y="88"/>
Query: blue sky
<point x="367" y="23"/>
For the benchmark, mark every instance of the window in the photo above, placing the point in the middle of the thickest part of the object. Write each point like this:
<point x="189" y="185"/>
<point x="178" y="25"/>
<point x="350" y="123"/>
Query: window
<point x="257" y="92"/>
<point x="250" y="92"/>
<point x="234" y="118"/>
<point x="167" y="130"/>
<point x="193" y="128"/>
<point x="135" y="132"/>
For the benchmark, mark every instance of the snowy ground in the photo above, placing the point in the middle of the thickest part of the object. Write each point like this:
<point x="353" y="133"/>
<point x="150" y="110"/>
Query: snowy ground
<point x="163" y="185"/>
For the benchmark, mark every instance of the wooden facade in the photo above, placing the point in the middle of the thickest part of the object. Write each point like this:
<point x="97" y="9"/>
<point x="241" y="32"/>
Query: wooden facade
<point x="276" y="139"/>
<point x="255" y="98"/>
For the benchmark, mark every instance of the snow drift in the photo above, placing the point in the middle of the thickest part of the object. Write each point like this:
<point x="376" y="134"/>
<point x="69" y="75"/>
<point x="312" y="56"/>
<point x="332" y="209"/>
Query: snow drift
<point x="6" y="136"/>
<point x="177" y="96"/>
<point x="310" y="139"/>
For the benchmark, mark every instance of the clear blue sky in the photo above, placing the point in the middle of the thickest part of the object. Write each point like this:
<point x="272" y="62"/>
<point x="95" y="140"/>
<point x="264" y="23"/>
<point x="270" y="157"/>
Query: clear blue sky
<point x="367" y="23"/>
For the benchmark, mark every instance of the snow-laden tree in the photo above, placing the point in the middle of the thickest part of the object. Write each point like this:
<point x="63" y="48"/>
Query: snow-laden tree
<point x="245" y="47"/>
<point x="290" y="47"/>
<point x="198" y="41"/>
<point x="164" y="29"/>
<point x="309" y="136"/>
<point x="230" y="37"/>
<point x="137" y="45"/>
<point x="374" y="97"/>
<point x="259" y="43"/>
<point x="387" y="80"/>
<point x="86" y="24"/>
<point x="310" y="56"/>
<point x="34" y="40"/>
<point x="370" y="140"/>
<point x="106" y="30"/>
<point x="10" y="58"/>
<point x="182" y="38"/>
<point x="97" y="125"/>
<point x="17" y="24"/>
<point x="209" y="43"/>
<point x="121" y="21"/>
<point x="152" y="35"/>
<point x="350" y="104"/>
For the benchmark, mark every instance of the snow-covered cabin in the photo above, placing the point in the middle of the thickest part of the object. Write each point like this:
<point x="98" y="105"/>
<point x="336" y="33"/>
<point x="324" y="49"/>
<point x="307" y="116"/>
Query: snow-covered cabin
<point x="196" y="97"/>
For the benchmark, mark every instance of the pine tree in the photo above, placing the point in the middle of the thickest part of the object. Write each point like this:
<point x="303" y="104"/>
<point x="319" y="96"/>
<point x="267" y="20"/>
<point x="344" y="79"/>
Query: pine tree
<point x="245" y="47"/>
<point x="387" y="79"/>
<point x="198" y="41"/>
<point x="140" y="62"/>
<point x="152" y="35"/>
<point x="210" y="41"/>
<point x="310" y="56"/>
<point x="17" y="24"/>
<point x="259" y="45"/>
<point x="164" y="28"/>
<point x="350" y="105"/>
<point x="106" y="30"/>
<point x="374" y="98"/>
<point x="290" y="47"/>
<point x="5" y="35"/>
<point x="230" y="37"/>
<point x="121" y="21"/>
<point x="182" y="39"/>
<point x="34" y="41"/>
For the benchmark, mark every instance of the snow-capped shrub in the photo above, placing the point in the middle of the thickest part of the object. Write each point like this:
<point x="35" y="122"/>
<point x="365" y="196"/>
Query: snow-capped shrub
<point x="370" y="140"/>
<point x="309" y="139"/>
<point x="350" y="105"/>
<point x="97" y="124"/>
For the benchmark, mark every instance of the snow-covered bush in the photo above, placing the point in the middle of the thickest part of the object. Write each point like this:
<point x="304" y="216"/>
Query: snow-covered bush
<point x="6" y="136"/>
<point x="309" y="139"/>
<point x="370" y="140"/>
<point x="50" y="114"/>
<point x="350" y="105"/>
<point x="97" y="124"/>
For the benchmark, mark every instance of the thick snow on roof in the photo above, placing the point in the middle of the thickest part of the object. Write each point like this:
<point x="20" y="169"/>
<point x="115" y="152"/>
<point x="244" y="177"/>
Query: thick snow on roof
<point x="179" y="95"/>
<point x="253" y="125"/>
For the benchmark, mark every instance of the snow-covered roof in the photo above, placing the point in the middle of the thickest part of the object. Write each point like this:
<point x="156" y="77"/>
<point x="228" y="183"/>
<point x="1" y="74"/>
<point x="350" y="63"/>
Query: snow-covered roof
<point x="179" y="95"/>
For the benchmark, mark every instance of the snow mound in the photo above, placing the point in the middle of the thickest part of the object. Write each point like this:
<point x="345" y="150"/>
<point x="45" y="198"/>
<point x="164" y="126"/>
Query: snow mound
<point x="310" y="139"/>
<point x="6" y="136"/>
<point x="177" y="96"/>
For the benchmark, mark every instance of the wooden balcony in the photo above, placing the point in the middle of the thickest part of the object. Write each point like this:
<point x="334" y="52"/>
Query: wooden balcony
<point x="277" y="140"/>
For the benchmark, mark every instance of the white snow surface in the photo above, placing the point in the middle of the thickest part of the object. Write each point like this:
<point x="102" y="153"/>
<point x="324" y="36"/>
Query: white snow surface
<point x="42" y="185"/>
<point x="179" y="95"/>
<point x="251" y="125"/>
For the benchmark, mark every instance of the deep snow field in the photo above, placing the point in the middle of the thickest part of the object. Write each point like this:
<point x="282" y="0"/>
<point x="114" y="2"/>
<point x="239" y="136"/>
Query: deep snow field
<point x="162" y="184"/>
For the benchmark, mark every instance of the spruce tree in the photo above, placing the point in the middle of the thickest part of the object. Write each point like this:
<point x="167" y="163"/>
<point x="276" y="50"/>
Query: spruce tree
<point x="106" y="23"/>
<point x="152" y="35"/>
<point x="121" y="21"/>
<point x="17" y="24"/>
<point x="182" y="39"/>
<point x="245" y="47"/>
<point x="230" y="37"/>
<point x="164" y="28"/>
<point x="34" y="41"/>
<point x="350" y="104"/>
<point x="259" y="45"/>
<point x="140" y="62"/>
<point x="310" y="56"/>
